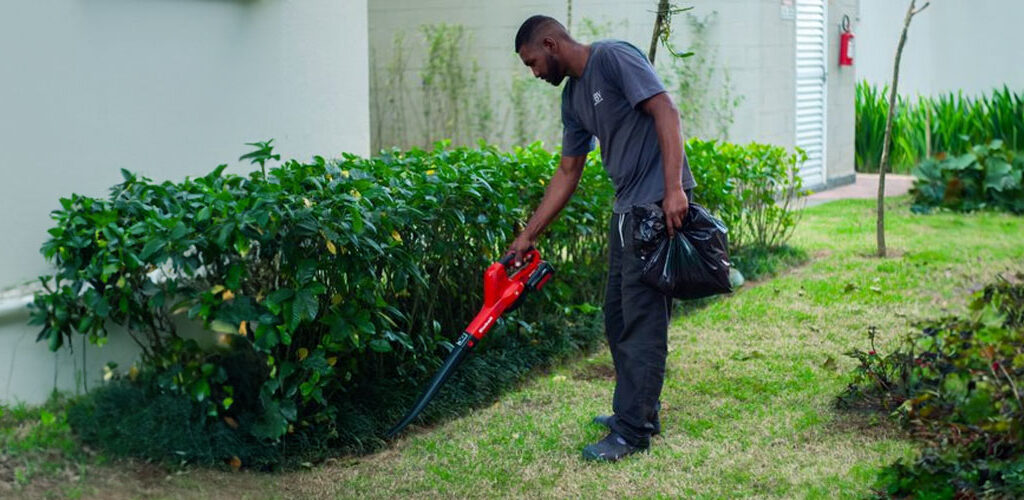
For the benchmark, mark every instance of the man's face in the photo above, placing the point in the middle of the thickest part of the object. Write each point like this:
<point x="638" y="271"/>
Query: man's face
<point x="543" y="63"/>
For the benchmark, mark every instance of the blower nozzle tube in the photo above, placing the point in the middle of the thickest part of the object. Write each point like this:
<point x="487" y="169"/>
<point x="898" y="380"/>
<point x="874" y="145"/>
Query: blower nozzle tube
<point x="462" y="347"/>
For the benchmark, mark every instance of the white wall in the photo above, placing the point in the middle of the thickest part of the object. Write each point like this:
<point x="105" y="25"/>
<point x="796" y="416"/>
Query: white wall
<point x="953" y="45"/>
<point x="751" y="38"/>
<point x="842" y="82"/>
<point x="754" y="41"/>
<point x="168" y="88"/>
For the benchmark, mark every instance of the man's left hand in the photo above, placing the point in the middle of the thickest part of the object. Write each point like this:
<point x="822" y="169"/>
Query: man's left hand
<point x="675" y="205"/>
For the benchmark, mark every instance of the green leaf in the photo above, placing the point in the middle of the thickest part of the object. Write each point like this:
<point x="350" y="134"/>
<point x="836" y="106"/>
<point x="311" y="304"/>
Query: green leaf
<point x="380" y="345"/>
<point x="276" y="298"/>
<point x="999" y="175"/>
<point x="961" y="162"/>
<point x="266" y="337"/>
<point x="152" y="246"/>
<point x="200" y="390"/>
<point x="270" y="424"/>
<point x="47" y="418"/>
<point x="306" y="306"/>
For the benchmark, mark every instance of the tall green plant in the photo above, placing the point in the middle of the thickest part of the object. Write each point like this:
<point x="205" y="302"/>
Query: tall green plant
<point x="951" y="124"/>
<point x="447" y="77"/>
<point x="390" y="101"/>
<point x="702" y="88"/>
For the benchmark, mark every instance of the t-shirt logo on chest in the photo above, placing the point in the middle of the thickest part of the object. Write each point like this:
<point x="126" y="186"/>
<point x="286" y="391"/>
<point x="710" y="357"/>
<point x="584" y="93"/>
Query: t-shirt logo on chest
<point x="597" y="98"/>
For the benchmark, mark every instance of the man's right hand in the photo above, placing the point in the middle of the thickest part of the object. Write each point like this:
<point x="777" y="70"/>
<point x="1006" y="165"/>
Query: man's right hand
<point x="522" y="244"/>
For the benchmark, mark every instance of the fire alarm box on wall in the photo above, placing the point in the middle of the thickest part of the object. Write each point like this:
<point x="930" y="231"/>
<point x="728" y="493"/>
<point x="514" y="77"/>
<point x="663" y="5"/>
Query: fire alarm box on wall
<point x="846" y="44"/>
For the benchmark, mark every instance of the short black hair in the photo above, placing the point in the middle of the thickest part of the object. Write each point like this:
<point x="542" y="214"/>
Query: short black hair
<point x="528" y="30"/>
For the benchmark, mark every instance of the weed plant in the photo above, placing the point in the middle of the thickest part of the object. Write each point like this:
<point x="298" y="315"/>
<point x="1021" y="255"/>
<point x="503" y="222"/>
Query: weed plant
<point x="955" y="385"/>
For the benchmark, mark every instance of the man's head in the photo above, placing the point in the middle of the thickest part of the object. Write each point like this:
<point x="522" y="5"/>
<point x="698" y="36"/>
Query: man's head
<point x="542" y="44"/>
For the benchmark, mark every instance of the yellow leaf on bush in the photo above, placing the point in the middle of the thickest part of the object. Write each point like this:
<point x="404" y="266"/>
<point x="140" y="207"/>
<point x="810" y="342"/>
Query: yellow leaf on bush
<point x="396" y="236"/>
<point x="336" y="299"/>
<point x="228" y="295"/>
<point x="356" y="194"/>
<point x="133" y="372"/>
<point x="431" y="172"/>
<point x="243" y="328"/>
<point x="303" y="353"/>
<point x="331" y="248"/>
<point x="332" y="360"/>
<point x="309" y="204"/>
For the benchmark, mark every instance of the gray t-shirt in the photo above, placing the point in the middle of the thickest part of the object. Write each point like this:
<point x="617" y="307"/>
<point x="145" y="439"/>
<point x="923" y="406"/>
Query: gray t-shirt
<point x="604" y="102"/>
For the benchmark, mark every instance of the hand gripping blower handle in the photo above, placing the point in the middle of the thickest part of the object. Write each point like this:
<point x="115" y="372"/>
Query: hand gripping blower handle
<point x="504" y="290"/>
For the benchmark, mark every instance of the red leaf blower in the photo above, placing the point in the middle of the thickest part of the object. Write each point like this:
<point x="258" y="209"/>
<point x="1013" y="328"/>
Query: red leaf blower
<point x="502" y="292"/>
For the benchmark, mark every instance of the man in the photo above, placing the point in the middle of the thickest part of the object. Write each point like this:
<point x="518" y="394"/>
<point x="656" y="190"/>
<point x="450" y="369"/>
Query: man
<point x="614" y="94"/>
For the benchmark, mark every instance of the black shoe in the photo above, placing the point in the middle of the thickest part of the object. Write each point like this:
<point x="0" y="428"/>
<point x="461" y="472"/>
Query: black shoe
<point x="606" y="420"/>
<point x="611" y="449"/>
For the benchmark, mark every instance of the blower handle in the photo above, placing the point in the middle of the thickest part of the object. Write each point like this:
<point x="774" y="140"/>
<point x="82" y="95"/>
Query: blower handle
<point x="528" y="256"/>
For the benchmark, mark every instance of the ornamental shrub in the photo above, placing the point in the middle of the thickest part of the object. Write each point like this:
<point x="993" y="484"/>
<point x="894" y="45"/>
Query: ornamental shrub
<point x="754" y="189"/>
<point x="320" y="277"/>
<point x="988" y="177"/>
<point x="331" y="289"/>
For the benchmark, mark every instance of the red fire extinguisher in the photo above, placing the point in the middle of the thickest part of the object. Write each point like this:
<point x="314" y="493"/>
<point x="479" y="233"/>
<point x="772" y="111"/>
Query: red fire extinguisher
<point x="846" y="44"/>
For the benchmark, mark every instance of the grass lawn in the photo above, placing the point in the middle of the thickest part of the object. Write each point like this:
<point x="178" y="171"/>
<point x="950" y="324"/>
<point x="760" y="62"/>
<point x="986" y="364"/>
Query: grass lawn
<point x="747" y="404"/>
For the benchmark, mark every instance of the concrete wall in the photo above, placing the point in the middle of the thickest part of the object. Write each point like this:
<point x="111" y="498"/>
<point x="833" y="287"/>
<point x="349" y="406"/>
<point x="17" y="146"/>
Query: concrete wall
<point x="166" y="88"/>
<point x="953" y="45"/>
<point x="842" y="83"/>
<point x="754" y="41"/>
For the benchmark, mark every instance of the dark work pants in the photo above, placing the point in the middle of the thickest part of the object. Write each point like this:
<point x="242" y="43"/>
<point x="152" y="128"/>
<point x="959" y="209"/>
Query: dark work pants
<point x="636" y="325"/>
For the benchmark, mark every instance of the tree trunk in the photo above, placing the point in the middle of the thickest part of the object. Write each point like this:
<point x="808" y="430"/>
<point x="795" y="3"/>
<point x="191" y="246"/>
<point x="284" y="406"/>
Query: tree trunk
<point x="568" y="16"/>
<point x="883" y="163"/>
<point x="663" y="7"/>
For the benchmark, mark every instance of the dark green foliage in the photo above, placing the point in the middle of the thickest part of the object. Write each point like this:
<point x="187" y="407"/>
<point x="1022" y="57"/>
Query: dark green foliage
<point x="988" y="177"/>
<point x="956" y="386"/>
<point x="172" y="427"/>
<point x="955" y="124"/>
<point x="321" y="277"/>
<point x="332" y="289"/>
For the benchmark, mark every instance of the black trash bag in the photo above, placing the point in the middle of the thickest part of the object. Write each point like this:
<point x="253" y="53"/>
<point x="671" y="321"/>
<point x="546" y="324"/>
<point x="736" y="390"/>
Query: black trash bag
<point x="691" y="265"/>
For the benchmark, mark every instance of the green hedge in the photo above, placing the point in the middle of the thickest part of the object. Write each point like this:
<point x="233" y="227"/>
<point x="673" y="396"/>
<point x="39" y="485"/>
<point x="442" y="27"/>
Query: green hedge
<point x="335" y="287"/>
<point x="753" y="189"/>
